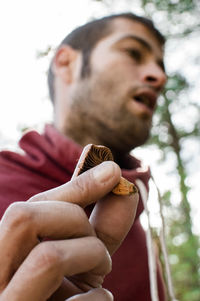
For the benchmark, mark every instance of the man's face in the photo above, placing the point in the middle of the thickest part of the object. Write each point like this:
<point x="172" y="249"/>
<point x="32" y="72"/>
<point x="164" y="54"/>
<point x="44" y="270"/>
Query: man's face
<point x="114" y="105"/>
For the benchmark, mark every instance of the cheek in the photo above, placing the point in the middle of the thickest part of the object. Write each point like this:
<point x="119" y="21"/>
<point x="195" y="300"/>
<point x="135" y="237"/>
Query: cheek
<point x="112" y="80"/>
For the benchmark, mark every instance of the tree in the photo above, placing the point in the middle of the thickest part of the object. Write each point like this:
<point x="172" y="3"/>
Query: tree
<point x="176" y="125"/>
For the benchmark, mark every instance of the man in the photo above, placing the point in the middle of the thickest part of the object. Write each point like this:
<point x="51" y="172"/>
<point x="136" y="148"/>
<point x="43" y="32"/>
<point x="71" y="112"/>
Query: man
<point x="104" y="82"/>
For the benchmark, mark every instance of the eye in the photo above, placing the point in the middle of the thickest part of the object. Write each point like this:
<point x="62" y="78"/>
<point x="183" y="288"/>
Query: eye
<point x="135" y="54"/>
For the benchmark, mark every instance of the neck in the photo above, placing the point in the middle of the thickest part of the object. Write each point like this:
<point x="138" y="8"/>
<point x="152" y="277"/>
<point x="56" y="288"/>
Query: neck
<point x="79" y="137"/>
<point x="122" y="159"/>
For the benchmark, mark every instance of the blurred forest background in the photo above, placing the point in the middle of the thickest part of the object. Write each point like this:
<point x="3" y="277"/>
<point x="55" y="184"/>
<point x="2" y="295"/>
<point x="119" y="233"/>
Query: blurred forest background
<point x="175" y="133"/>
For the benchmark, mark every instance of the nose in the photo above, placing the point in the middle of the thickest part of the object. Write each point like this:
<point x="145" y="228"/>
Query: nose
<point x="153" y="75"/>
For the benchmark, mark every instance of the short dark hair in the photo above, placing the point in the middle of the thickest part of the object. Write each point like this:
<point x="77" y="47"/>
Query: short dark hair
<point x="85" y="37"/>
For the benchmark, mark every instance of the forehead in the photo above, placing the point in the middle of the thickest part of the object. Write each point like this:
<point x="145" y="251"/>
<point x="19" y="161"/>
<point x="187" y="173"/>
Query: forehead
<point x="122" y="28"/>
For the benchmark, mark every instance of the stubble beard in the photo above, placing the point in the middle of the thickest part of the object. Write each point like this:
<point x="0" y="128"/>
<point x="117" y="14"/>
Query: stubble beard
<point x="92" y="120"/>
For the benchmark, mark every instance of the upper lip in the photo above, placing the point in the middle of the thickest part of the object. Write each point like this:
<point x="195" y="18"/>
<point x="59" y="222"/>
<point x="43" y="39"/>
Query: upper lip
<point x="146" y="96"/>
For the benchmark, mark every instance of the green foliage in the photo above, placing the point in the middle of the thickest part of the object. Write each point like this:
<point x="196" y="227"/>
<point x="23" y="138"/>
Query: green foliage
<point x="172" y="6"/>
<point x="178" y="20"/>
<point x="183" y="263"/>
<point x="170" y="136"/>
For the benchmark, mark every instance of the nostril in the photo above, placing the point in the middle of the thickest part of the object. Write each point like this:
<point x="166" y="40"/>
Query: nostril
<point x="151" y="79"/>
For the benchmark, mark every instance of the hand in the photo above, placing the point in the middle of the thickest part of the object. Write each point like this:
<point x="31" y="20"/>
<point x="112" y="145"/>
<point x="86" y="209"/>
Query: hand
<point x="74" y="262"/>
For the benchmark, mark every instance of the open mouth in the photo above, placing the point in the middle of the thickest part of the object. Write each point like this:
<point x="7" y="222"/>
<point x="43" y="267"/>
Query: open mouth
<point x="143" y="99"/>
<point x="147" y="99"/>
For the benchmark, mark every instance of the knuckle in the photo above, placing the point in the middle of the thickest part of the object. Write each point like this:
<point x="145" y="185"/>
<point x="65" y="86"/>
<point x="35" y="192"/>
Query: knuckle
<point x="102" y="254"/>
<point x="82" y="184"/>
<point x="100" y="247"/>
<point x="94" y="294"/>
<point x="46" y="256"/>
<point x="16" y="215"/>
<point x="104" y="294"/>
<point x="86" y="181"/>
<point x="108" y="295"/>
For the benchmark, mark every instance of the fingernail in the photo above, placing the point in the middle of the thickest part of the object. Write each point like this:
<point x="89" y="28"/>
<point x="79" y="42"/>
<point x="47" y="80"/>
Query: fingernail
<point x="103" y="172"/>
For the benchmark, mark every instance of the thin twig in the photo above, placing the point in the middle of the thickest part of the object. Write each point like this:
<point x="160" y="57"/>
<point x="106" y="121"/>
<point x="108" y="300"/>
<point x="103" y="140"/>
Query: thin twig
<point x="164" y="247"/>
<point x="150" y="247"/>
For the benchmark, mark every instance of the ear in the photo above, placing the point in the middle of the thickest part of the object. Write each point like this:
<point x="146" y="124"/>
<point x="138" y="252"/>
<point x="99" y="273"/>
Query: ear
<point x="64" y="63"/>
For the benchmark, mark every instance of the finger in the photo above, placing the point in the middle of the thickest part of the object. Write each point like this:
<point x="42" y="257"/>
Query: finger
<point x="25" y="224"/>
<point x="113" y="217"/>
<point x="43" y="270"/>
<point x="98" y="294"/>
<point x="86" y="188"/>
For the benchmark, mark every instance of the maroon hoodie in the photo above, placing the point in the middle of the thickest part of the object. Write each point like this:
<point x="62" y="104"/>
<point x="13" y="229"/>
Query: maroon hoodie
<point x="47" y="161"/>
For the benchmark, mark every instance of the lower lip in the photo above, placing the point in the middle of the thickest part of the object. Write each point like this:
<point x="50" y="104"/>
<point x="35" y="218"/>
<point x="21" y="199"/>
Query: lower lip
<point x="139" y="109"/>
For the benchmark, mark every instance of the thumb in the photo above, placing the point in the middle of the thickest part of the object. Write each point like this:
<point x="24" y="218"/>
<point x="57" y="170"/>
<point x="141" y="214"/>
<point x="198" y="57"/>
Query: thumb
<point x="85" y="189"/>
<point x="112" y="219"/>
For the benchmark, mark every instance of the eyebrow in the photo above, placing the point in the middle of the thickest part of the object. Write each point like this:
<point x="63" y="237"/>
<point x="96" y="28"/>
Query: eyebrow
<point x="137" y="39"/>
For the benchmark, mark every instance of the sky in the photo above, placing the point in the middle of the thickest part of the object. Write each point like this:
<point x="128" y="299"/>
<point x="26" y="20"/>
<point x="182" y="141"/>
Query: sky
<point x="29" y="27"/>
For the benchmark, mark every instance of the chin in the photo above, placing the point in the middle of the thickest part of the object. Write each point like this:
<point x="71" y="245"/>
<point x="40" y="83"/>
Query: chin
<point x="135" y="139"/>
<point x="123" y="140"/>
<point x="124" y="146"/>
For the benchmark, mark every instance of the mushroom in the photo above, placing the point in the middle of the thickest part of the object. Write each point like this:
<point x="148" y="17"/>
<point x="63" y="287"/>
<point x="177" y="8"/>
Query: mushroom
<point x="91" y="156"/>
